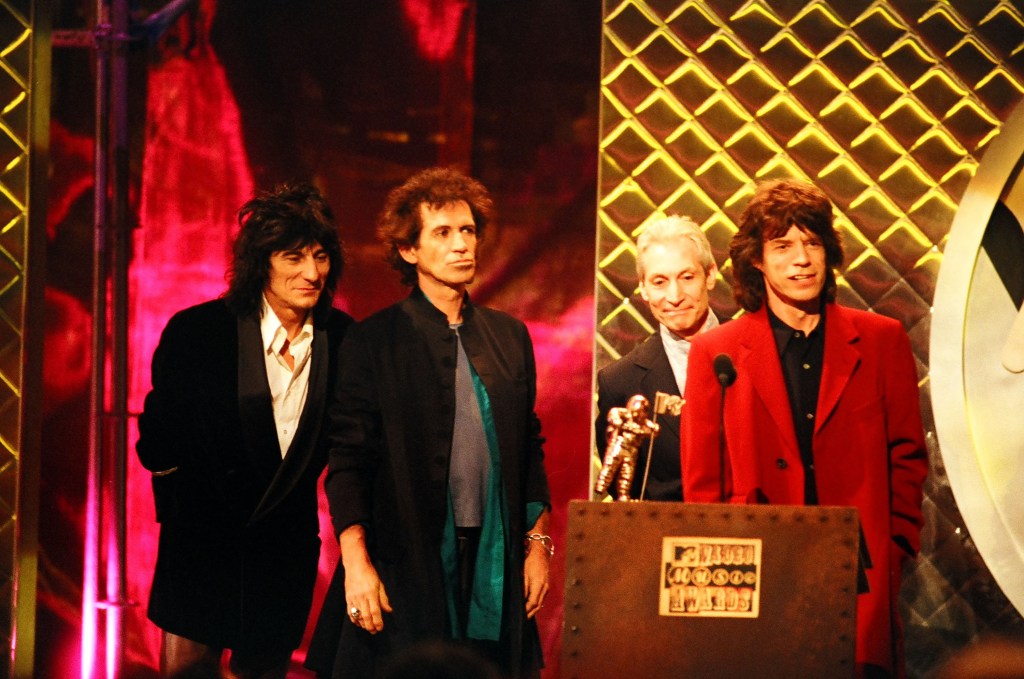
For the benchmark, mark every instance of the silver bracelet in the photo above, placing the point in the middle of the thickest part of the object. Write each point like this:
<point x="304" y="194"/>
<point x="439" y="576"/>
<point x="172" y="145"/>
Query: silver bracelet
<point x="544" y="540"/>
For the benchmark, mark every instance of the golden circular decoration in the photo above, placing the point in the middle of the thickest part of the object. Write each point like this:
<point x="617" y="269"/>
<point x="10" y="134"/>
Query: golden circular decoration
<point x="977" y="358"/>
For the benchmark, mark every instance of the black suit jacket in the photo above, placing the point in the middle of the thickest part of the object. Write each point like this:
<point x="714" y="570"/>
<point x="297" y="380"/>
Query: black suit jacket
<point x="239" y="538"/>
<point x="644" y="370"/>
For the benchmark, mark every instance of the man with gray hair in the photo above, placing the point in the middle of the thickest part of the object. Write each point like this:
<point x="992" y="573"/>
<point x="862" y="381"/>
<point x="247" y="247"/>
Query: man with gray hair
<point x="676" y="271"/>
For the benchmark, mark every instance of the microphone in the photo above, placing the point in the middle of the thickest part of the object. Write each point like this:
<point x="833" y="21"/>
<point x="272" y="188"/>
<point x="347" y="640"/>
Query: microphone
<point x="725" y="371"/>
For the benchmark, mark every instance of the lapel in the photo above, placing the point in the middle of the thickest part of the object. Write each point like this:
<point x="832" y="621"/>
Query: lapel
<point x="658" y="376"/>
<point x="304" y="443"/>
<point x="759" y="362"/>
<point x="841" y="359"/>
<point x="255" y="408"/>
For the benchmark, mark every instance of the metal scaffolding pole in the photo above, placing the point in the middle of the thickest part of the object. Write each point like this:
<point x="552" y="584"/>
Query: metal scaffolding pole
<point x="105" y="539"/>
<point x="106" y="485"/>
<point x="120" y="235"/>
<point x="90" y="575"/>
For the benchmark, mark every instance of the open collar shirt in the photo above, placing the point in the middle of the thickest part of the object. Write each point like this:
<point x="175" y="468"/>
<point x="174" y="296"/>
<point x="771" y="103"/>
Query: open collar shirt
<point x="677" y="349"/>
<point x="288" y="386"/>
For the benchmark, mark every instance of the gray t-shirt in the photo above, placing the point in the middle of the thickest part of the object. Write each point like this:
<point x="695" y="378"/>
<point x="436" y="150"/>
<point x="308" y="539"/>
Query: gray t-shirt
<point x="470" y="468"/>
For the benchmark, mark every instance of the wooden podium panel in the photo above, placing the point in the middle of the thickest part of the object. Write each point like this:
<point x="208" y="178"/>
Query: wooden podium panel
<point x="616" y="567"/>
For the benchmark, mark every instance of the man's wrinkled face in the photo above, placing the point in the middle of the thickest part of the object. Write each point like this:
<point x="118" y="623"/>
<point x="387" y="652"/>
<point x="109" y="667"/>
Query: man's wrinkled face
<point x="296" y="279"/>
<point x="675" y="286"/>
<point x="794" y="269"/>
<point x="446" y="251"/>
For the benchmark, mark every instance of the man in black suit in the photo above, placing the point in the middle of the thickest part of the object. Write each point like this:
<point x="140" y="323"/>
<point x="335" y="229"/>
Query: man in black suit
<point x="676" y="270"/>
<point x="436" y="477"/>
<point x="232" y="434"/>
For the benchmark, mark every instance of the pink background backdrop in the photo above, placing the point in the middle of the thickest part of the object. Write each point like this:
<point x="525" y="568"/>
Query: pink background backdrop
<point x="355" y="97"/>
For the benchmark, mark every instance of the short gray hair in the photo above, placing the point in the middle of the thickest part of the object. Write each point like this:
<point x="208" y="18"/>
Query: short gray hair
<point x="672" y="229"/>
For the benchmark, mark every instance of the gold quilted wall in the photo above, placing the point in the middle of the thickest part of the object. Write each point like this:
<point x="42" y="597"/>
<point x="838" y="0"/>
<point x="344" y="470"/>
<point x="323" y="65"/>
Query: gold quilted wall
<point x="888" y="106"/>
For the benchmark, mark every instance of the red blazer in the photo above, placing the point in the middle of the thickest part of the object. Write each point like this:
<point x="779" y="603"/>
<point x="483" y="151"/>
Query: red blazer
<point x="869" y="449"/>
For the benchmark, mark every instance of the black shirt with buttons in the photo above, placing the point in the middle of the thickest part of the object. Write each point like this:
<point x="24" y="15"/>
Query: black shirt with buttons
<point x="802" y="356"/>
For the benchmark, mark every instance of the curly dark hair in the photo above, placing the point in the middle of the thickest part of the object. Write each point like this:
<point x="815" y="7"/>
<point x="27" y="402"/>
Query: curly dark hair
<point x="399" y="225"/>
<point x="291" y="216"/>
<point x="776" y="206"/>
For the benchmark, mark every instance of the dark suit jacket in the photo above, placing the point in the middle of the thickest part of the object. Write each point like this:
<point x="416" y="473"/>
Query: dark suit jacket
<point x="644" y="370"/>
<point x="390" y="442"/>
<point x="869" y="449"/>
<point x="239" y="538"/>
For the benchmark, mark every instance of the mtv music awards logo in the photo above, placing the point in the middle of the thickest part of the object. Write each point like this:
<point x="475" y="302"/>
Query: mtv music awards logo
<point x="710" y="577"/>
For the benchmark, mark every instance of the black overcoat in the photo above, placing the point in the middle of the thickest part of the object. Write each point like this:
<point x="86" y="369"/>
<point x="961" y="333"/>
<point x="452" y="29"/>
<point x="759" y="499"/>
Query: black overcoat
<point x="390" y="444"/>
<point x="239" y="538"/>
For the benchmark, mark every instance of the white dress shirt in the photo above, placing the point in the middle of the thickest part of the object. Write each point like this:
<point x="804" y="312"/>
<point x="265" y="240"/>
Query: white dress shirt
<point x="678" y="349"/>
<point x="288" y="386"/>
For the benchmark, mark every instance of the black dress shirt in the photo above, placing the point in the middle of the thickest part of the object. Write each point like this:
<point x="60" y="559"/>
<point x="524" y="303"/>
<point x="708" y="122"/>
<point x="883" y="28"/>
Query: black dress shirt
<point x="802" y="356"/>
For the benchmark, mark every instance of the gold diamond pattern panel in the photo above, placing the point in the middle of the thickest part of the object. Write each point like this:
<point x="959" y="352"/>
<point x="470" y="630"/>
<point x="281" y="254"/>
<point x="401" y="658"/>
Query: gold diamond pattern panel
<point x="15" y="55"/>
<point x="887" y="106"/>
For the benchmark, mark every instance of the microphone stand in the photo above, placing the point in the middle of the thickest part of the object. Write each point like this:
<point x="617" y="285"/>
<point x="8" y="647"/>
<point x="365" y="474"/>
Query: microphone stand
<point x="721" y="443"/>
<point x="725" y="372"/>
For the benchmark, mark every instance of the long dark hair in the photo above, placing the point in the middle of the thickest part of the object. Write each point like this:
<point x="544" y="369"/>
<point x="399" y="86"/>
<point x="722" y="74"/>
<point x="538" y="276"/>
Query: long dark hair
<point x="291" y="216"/>
<point x="775" y="207"/>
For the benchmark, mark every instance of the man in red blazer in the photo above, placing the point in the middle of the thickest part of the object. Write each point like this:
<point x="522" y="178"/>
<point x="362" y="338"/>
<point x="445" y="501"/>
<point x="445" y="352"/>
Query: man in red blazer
<point x="824" y="408"/>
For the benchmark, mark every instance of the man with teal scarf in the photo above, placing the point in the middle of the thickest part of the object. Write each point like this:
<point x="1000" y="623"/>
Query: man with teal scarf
<point x="436" y="477"/>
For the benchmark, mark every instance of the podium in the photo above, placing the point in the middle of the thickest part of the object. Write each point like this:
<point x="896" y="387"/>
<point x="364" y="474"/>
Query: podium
<point x="675" y="590"/>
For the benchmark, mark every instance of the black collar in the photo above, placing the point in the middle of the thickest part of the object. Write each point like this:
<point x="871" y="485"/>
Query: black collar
<point x="783" y="332"/>
<point x="417" y="304"/>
